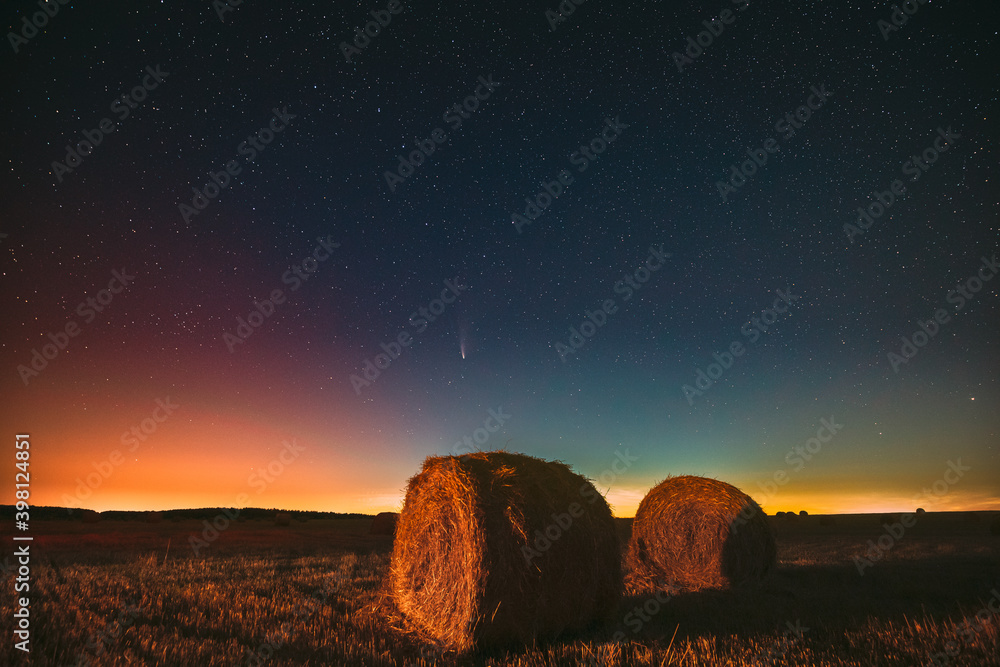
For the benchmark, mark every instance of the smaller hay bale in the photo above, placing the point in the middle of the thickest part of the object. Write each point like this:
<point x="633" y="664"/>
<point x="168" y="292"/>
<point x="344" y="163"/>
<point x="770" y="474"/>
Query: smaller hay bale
<point x="384" y="523"/>
<point x="697" y="533"/>
<point x="497" y="549"/>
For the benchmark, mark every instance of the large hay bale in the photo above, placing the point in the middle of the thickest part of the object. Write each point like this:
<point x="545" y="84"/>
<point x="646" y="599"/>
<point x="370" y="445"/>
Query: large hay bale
<point x="384" y="523"/>
<point x="697" y="533"/>
<point x="494" y="548"/>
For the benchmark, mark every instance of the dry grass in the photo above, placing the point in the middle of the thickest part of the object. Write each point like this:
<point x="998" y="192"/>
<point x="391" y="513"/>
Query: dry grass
<point x="497" y="548"/>
<point x="696" y="533"/>
<point x="308" y="595"/>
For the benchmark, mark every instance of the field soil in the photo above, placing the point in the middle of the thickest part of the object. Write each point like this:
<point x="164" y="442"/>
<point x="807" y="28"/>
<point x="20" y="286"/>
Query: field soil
<point x="132" y="592"/>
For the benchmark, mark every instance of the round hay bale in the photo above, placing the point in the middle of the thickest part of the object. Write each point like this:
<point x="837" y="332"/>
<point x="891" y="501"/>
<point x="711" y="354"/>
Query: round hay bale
<point x="384" y="523"/>
<point x="495" y="548"/>
<point x="697" y="533"/>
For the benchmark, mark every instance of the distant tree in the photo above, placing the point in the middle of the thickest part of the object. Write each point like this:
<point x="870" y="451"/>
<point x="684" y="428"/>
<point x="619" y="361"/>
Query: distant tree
<point x="803" y="513"/>
<point x="779" y="514"/>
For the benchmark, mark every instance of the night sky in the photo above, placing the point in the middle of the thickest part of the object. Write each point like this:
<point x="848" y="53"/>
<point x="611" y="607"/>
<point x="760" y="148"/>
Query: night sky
<point x="581" y="237"/>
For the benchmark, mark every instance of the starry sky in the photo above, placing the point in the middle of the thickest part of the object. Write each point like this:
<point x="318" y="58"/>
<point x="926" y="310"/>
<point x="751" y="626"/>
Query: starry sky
<point x="252" y="255"/>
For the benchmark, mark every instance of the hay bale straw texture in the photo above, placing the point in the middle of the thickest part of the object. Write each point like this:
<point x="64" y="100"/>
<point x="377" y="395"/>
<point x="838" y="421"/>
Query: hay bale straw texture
<point x="697" y="533"/>
<point x="497" y="548"/>
<point x="384" y="523"/>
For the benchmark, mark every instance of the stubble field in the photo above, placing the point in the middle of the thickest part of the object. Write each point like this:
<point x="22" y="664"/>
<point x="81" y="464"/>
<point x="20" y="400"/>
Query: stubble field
<point x="114" y="593"/>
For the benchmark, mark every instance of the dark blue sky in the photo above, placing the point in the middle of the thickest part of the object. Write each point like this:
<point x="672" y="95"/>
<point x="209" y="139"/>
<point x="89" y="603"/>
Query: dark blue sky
<point x="343" y="125"/>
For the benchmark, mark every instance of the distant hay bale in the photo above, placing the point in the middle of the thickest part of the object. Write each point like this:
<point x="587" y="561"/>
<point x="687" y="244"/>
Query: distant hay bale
<point x="384" y="523"/>
<point x="697" y="533"/>
<point x="921" y="510"/>
<point x="780" y="515"/>
<point x="495" y="548"/>
<point x="90" y="516"/>
<point x="282" y="519"/>
<point x="803" y="513"/>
